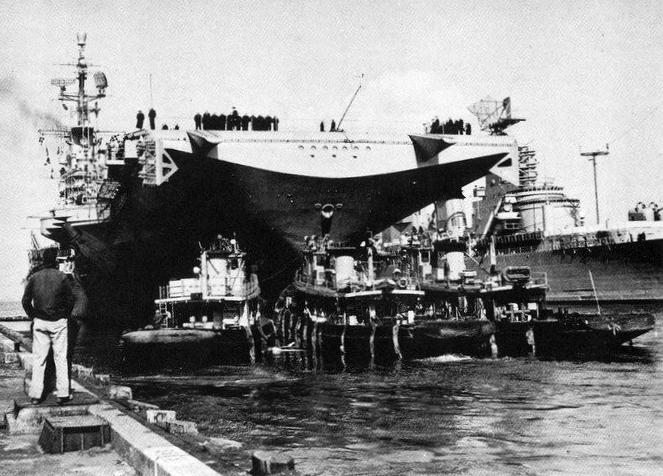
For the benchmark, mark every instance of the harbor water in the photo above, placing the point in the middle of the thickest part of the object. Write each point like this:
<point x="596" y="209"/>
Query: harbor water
<point x="450" y="415"/>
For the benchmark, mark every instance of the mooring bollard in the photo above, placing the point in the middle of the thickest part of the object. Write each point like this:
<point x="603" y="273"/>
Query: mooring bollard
<point x="140" y="407"/>
<point x="119" y="392"/>
<point x="86" y="373"/>
<point x="160" y="416"/>
<point x="76" y="369"/>
<point x="182" y="427"/>
<point x="265" y="463"/>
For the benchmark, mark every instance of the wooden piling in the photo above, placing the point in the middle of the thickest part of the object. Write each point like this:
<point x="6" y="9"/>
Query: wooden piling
<point x="397" y="346"/>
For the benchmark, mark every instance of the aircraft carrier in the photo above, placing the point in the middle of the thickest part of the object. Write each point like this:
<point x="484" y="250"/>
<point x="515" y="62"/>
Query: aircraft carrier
<point x="135" y="208"/>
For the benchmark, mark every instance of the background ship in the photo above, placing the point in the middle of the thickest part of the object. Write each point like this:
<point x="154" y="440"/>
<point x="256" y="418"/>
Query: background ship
<point x="136" y="208"/>
<point x="535" y="224"/>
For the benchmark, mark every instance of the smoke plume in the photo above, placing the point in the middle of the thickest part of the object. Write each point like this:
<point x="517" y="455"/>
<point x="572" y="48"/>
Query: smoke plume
<point x="13" y="99"/>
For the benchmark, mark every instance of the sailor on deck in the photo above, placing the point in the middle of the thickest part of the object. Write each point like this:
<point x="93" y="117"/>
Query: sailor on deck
<point x="152" y="114"/>
<point x="140" y="118"/>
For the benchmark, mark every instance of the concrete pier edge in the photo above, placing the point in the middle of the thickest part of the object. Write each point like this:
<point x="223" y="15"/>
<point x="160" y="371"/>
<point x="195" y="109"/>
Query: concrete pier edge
<point x="148" y="452"/>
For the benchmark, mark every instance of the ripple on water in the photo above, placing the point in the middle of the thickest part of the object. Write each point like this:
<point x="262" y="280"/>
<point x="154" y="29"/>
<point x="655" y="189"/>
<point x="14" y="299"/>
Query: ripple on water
<point x="469" y="417"/>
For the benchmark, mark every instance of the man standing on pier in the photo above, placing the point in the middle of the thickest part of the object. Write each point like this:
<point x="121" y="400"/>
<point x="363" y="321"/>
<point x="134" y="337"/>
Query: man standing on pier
<point x="51" y="297"/>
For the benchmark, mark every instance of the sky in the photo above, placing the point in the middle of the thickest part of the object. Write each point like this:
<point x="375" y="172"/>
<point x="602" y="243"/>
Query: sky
<point x="582" y="74"/>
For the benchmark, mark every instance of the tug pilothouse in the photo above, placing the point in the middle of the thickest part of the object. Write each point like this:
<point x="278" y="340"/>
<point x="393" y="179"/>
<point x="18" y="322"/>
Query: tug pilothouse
<point x="220" y="294"/>
<point x="211" y="314"/>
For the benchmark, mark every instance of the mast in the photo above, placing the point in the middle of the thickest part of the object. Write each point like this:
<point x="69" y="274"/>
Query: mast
<point x="82" y="75"/>
<point x="83" y="171"/>
<point x="592" y="158"/>
<point x="151" y="95"/>
<point x="81" y="98"/>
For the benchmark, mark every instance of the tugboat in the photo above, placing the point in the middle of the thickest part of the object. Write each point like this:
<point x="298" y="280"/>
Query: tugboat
<point x="207" y="318"/>
<point x="349" y="301"/>
<point x="371" y="305"/>
<point x="515" y="301"/>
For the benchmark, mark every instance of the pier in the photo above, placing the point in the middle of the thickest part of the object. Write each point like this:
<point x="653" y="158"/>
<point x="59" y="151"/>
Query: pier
<point x="135" y="438"/>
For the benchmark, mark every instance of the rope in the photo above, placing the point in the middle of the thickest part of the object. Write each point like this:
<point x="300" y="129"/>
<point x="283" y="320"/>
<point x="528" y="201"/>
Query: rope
<point x="282" y="270"/>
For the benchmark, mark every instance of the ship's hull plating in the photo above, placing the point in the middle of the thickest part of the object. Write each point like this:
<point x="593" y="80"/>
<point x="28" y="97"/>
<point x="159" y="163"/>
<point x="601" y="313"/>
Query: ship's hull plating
<point x="628" y="272"/>
<point x="155" y="234"/>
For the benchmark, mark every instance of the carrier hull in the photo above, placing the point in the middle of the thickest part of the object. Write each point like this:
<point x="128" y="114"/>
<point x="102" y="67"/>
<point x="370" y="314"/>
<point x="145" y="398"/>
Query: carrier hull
<point x="616" y="273"/>
<point x="154" y="233"/>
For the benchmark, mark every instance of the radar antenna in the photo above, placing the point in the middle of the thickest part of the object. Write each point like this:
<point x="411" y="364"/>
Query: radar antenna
<point x="494" y="116"/>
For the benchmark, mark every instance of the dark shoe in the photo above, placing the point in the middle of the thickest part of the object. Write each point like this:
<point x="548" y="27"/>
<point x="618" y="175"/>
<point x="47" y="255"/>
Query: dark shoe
<point x="35" y="401"/>
<point x="63" y="400"/>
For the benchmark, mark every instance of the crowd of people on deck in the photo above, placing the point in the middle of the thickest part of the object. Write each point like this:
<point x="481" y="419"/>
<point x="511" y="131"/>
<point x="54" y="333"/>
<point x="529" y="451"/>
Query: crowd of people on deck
<point x="218" y="122"/>
<point x="457" y="127"/>
<point x="235" y="122"/>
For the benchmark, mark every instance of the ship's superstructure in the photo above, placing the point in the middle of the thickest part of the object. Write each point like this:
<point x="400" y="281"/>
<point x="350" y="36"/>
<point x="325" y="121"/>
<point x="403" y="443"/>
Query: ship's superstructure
<point x="536" y="224"/>
<point x="540" y="227"/>
<point x="81" y="156"/>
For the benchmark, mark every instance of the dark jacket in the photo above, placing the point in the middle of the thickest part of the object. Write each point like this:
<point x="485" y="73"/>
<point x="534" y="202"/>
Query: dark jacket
<point x="51" y="294"/>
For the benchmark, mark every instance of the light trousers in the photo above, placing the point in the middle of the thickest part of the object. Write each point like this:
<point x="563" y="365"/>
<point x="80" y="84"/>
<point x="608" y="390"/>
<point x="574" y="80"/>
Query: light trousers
<point x="47" y="334"/>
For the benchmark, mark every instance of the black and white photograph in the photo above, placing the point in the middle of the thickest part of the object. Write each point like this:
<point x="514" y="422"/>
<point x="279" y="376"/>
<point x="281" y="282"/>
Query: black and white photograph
<point x="353" y="237"/>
